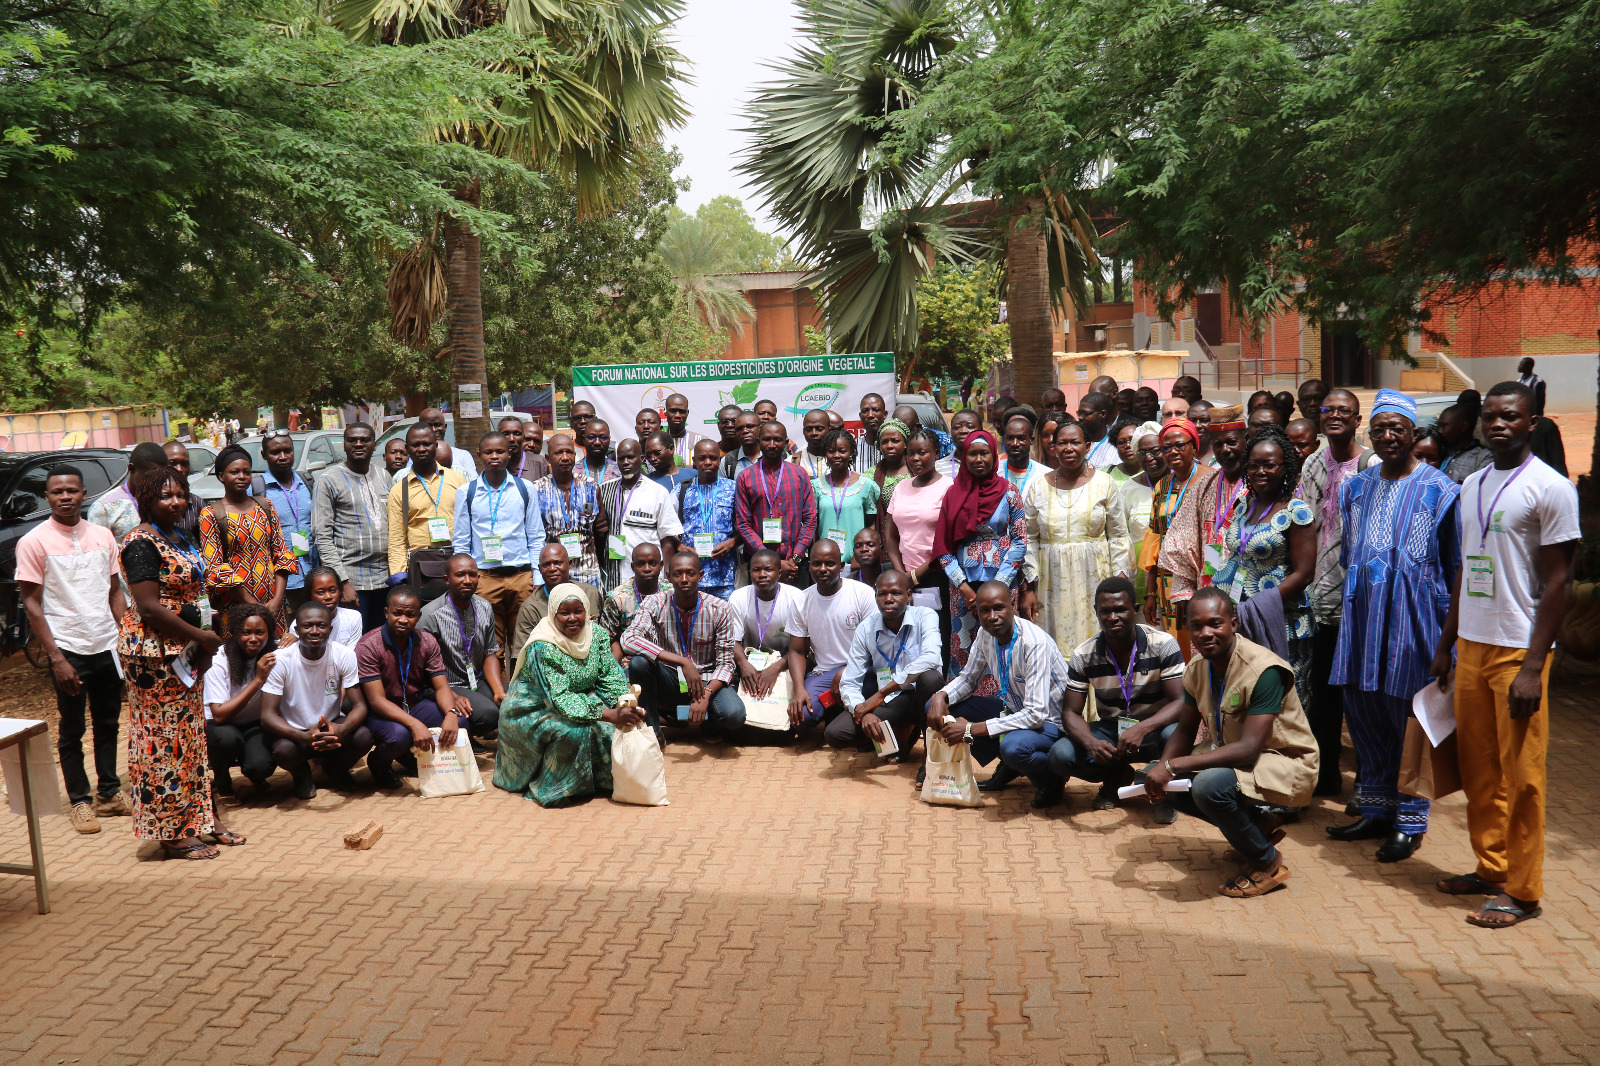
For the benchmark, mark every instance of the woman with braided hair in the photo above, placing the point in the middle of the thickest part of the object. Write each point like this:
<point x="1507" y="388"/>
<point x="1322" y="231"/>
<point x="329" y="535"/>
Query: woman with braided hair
<point x="1271" y="542"/>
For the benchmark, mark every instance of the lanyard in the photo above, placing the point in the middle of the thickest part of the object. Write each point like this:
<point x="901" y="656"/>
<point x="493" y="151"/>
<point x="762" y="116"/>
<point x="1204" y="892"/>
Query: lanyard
<point x="182" y="547"/>
<point x="1248" y="529"/>
<point x="904" y="636"/>
<point x="433" y="499"/>
<point x="494" y="500"/>
<point x="708" y="507"/>
<point x="622" y="518"/>
<point x="761" y="627"/>
<point x="1483" y="520"/>
<point x="1125" y="684"/>
<point x="683" y="642"/>
<point x="466" y="632"/>
<point x="565" y="502"/>
<point x="766" y="485"/>
<point x="405" y="670"/>
<point x="837" y="499"/>
<point x="1216" y="508"/>
<point x="288" y="496"/>
<point x="1170" y="508"/>
<point x="1005" y="669"/>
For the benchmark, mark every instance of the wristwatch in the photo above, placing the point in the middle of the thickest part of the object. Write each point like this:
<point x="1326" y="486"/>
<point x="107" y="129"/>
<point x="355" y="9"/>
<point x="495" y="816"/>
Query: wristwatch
<point x="966" y="737"/>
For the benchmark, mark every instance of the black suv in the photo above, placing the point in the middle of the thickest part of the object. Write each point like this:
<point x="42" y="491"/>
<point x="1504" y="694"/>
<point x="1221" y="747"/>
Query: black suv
<point x="22" y="505"/>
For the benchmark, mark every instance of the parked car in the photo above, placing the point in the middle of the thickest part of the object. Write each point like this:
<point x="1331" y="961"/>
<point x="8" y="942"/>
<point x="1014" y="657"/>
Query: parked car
<point x="22" y="503"/>
<point x="201" y="456"/>
<point x="928" y="411"/>
<point x="314" y="449"/>
<point x="400" y="428"/>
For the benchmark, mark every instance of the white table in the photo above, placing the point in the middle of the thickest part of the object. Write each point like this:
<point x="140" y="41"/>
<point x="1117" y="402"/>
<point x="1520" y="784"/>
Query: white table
<point x="15" y="737"/>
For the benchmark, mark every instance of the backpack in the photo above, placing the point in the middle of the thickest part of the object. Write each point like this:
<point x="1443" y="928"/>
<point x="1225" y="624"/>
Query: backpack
<point x="472" y="494"/>
<point x="258" y="483"/>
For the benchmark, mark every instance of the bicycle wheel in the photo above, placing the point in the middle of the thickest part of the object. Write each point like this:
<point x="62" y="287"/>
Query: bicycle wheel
<point x="35" y="652"/>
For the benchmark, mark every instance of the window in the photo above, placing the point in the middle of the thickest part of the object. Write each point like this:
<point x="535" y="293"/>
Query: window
<point x="321" y="454"/>
<point x="31" y="481"/>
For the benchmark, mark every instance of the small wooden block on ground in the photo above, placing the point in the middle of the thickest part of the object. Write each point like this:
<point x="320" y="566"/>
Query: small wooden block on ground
<point x="365" y="838"/>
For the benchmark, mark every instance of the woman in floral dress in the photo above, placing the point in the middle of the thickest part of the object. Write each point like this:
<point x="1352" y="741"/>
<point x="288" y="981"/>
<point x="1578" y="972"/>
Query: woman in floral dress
<point x="1179" y="440"/>
<point x="247" y="558"/>
<point x="981" y="536"/>
<point x="168" y="773"/>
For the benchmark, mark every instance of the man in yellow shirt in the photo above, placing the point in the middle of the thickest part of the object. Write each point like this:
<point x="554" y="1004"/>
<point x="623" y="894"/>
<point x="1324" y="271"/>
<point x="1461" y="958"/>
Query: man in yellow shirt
<point x="422" y="503"/>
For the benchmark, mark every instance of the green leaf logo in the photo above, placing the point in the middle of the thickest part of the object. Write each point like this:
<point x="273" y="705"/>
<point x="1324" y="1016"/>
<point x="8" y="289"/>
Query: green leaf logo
<point x="745" y="392"/>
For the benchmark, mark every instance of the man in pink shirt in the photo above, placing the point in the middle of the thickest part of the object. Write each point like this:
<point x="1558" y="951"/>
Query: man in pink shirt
<point x="68" y="572"/>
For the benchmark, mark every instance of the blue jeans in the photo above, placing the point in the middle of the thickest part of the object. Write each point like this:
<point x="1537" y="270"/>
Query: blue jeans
<point x="1215" y="797"/>
<point x="1027" y="751"/>
<point x="658" y="692"/>
<point x="1067" y="761"/>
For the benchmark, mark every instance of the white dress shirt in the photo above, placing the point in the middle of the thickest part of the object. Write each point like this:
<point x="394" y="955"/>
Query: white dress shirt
<point x="1038" y="680"/>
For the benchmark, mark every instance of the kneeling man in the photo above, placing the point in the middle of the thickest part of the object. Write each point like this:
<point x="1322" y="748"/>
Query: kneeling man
<point x="1023" y="721"/>
<point x="304" y="701"/>
<point x="1260" y="749"/>
<point x="893" y="669"/>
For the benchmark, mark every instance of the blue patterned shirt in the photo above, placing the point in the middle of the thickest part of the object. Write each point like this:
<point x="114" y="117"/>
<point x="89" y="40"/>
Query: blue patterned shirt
<point x="996" y="548"/>
<point x="572" y="511"/>
<point x="696" y="504"/>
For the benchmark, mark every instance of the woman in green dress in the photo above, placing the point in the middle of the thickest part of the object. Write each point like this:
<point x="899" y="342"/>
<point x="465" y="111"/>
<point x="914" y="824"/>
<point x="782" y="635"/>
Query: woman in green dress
<point x="556" y="722"/>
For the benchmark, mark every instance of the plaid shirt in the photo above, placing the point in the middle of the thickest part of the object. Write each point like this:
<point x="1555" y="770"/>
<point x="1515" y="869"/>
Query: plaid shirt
<point x="716" y="626"/>
<point x="793" y="500"/>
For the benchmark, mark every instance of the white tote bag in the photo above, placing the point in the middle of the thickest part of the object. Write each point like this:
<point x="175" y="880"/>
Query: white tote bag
<point x="949" y="780"/>
<point x="448" y="771"/>
<point x="772" y="712"/>
<point x="638" y="771"/>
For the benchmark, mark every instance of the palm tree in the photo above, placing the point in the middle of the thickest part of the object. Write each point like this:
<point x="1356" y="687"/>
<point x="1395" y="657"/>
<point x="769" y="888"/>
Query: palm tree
<point x="601" y="82"/>
<point x="825" y="157"/>
<point x="698" y="257"/>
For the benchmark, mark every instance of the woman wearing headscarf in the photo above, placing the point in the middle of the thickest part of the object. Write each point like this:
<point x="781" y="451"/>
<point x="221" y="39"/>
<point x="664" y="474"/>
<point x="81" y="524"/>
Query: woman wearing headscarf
<point x="981" y="535"/>
<point x="1179" y="443"/>
<point x="556" y="721"/>
<point x="891" y="468"/>
<point x="1077" y="536"/>
<point x="247" y="558"/>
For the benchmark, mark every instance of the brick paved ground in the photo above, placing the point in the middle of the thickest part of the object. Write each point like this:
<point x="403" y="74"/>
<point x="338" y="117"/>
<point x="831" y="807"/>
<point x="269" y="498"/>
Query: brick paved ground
<point x="791" y="906"/>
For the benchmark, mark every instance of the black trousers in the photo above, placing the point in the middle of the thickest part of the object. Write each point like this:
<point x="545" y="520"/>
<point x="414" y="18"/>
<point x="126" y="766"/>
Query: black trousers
<point x="904" y="713"/>
<point x="101" y="692"/>
<point x="245" y="746"/>
<point x="1326" y="713"/>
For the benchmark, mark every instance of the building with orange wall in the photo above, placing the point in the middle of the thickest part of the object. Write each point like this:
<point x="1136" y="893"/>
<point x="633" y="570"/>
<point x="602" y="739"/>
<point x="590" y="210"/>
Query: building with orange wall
<point x="783" y="306"/>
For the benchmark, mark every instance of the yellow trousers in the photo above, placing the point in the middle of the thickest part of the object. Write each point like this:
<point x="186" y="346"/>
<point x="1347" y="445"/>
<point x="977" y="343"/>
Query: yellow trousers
<point x="1502" y="767"/>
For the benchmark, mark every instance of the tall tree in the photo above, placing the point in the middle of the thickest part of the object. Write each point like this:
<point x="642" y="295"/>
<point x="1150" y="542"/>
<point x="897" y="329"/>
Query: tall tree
<point x="700" y="258"/>
<point x="747" y="248"/>
<point x="599" y="84"/>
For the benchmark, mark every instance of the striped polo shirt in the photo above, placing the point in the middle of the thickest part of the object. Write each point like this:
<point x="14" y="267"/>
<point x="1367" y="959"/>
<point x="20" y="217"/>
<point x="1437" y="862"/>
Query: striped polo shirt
<point x="1156" y="658"/>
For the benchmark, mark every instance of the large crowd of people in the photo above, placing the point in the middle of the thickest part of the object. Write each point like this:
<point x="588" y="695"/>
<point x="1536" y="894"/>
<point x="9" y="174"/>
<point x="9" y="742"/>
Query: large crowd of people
<point x="1195" y="597"/>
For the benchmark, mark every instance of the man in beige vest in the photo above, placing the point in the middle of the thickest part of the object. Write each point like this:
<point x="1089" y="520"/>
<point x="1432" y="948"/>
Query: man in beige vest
<point x="1259" y="749"/>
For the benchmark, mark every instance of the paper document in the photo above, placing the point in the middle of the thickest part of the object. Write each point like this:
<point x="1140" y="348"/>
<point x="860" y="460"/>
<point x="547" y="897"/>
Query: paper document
<point x="1435" y="711"/>
<point x="1177" y="784"/>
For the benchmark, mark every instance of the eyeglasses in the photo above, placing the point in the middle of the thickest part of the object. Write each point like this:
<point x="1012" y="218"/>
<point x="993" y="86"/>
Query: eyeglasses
<point x="1344" y="412"/>
<point x="271" y="433"/>
<point x="1145" y="453"/>
<point x="1264" y="466"/>
<point x="1174" y="449"/>
<point x="1385" y="430"/>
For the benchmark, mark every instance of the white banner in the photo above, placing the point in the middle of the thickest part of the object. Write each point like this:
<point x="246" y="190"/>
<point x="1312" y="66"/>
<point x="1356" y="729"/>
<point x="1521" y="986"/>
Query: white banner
<point x="796" y="384"/>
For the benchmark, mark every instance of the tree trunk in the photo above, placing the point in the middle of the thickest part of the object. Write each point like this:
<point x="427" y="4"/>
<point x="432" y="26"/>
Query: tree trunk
<point x="416" y="403"/>
<point x="1028" y="302"/>
<point x="464" y="275"/>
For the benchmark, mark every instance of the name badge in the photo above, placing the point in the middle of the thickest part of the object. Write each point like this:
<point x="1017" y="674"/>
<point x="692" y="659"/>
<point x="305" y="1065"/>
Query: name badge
<point x="472" y="677"/>
<point x="703" y="545"/>
<point x="885" y="678"/>
<point x="618" y="546"/>
<point x="1215" y="557"/>
<point x="1480" y="576"/>
<point x="299" y="543"/>
<point x="438" y="530"/>
<point x="493" y="551"/>
<point x="772" y="530"/>
<point x="838" y="536"/>
<point x="572" y="543"/>
<point x="683" y="682"/>
<point x="759" y="659"/>
<point x="1125" y="724"/>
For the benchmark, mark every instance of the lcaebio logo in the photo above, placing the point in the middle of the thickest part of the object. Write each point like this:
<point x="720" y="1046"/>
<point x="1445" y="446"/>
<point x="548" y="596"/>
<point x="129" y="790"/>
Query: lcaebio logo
<point x="656" y="398"/>
<point x="818" y="396"/>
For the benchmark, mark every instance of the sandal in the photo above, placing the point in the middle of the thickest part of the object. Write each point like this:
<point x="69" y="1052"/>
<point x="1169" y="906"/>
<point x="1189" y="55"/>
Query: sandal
<point x="193" y="851"/>
<point x="1518" y="914"/>
<point x="1275" y="839"/>
<point x="1252" y="883"/>
<point x="226" y="838"/>
<point x="1468" y="885"/>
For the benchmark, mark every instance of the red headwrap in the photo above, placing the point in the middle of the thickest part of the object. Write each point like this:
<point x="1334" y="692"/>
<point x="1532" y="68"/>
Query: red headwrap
<point x="970" y="501"/>
<point x="1189" y="429"/>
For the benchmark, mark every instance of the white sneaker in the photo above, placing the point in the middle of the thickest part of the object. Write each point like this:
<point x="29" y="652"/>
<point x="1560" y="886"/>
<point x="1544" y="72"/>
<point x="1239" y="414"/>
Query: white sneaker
<point x="83" y="818"/>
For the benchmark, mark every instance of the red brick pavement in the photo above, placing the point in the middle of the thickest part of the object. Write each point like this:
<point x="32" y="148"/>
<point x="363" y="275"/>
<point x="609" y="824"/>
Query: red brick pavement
<point x="791" y="906"/>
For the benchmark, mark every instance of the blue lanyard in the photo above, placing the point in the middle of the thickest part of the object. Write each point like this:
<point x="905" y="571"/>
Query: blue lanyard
<point x="565" y="502"/>
<point x="683" y="642"/>
<point x="1005" y="669"/>
<point x="431" y="497"/>
<point x="494" y="501"/>
<point x="182" y="547"/>
<point x="1172" y="507"/>
<point x="895" y="662"/>
<point x="405" y="671"/>
<point x="708" y="508"/>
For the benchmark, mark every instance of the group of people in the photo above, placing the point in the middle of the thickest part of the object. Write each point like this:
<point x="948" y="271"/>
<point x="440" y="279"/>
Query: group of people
<point x="1194" y="595"/>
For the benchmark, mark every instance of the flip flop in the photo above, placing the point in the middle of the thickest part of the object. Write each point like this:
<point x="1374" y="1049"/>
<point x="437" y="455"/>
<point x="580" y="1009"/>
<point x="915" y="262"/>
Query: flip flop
<point x="226" y="838"/>
<point x="188" y="851"/>
<point x="1252" y="883"/>
<point x="1468" y="885"/>
<point x="1516" y="912"/>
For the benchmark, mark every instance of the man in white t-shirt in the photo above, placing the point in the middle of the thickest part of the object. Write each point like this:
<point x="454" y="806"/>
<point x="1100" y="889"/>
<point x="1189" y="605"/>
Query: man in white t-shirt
<point x="825" y="626"/>
<point x="766" y="609"/>
<point x="67" y="570"/>
<point x="302" y="705"/>
<point x="1519" y="533"/>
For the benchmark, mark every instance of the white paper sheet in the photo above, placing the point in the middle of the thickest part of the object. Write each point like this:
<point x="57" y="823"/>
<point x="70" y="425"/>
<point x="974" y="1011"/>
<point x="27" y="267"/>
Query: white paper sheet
<point x="1177" y="784"/>
<point x="1436" y="712"/>
<point x="41" y="770"/>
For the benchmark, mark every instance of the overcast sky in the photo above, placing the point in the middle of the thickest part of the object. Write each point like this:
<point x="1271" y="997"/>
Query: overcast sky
<point x="727" y="43"/>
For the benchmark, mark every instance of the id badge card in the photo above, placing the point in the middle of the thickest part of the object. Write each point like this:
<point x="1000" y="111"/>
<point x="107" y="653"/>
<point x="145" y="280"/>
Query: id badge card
<point x="572" y="543"/>
<point x="1480" y="576"/>
<point x="299" y="543"/>
<point x="472" y="676"/>
<point x="758" y="659"/>
<point x="1215" y="557"/>
<point x="618" y="546"/>
<point x="683" y="682"/>
<point x="885" y="678"/>
<point x="772" y="530"/>
<point x="838" y="536"/>
<point x="703" y="545"/>
<point x="1125" y="724"/>
<point x="438" y="530"/>
<point x="494" y="552"/>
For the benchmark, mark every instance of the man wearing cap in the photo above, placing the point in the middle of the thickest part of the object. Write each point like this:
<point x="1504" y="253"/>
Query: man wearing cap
<point x="1400" y="552"/>
<point x="1192" y="550"/>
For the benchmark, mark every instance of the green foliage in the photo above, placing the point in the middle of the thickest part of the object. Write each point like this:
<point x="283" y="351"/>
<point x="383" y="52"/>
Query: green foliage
<point x="959" y="328"/>
<point x="745" y="247"/>
<point x="151" y="151"/>
<point x="698" y="258"/>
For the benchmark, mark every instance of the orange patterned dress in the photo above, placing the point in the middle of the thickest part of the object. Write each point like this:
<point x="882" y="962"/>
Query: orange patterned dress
<point x="256" y="552"/>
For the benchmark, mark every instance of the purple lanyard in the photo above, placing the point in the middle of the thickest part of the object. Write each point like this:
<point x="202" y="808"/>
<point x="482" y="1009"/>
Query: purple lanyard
<point x="1217" y="507"/>
<point x="761" y="627"/>
<point x="288" y="497"/>
<point x="766" y="485"/>
<point x="838" y="508"/>
<point x="684" y="645"/>
<point x="1247" y="533"/>
<point x="1125" y="685"/>
<point x="622" y="519"/>
<point x="1483" y="522"/>
<point x="466" y="633"/>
